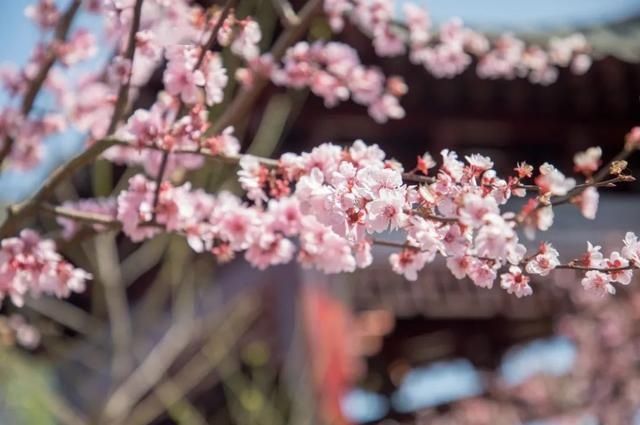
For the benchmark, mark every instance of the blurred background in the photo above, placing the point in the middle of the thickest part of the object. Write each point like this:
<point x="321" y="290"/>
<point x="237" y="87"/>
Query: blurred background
<point x="232" y="345"/>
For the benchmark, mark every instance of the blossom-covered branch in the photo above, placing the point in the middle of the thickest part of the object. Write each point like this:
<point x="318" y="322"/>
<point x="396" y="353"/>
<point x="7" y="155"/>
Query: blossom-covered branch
<point x="329" y="205"/>
<point x="324" y="207"/>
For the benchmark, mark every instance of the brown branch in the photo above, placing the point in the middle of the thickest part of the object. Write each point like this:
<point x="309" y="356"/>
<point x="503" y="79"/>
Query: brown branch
<point x="60" y="36"/>
<point x="123" y="92"/>
<point x="19" y="212"/>
<point x="571" y="266"/>
<point x="79" y="216"/>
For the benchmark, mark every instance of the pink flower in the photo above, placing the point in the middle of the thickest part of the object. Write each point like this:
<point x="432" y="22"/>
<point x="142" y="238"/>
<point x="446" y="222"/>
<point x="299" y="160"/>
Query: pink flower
<point x="224" y="143"/>
<point x="425" y="234"/>
<point x="409" y="262"/>
<point x="362" y="251"/>
<point x="598" y="282"/>
<point x="592" y="258"/>
<point x="588" y="162"/>
<point x="385" y="108"/>
<point x="388" y="41"/>
<point x="419" y="24"/>
<point x="144" y="128"/>
<point x="252" y="176"/>
<point x="286" y="215"/>
<point x="515" y="282"/>
<point x="366" y="84"/>
<point x="180" y="79"/>
<point x="119" y="70"/>
<point x="147" y="46"/>
<point x="479" y="163"/>
<point x="459" y="266"/>
<point x="239" y="228"/>
<point x="545" y="261"/>
<point x="44" y="13"/>
<point x="588" y="202"/>
<point x="631" y="250"/>
<point x="135" y="206"/>
<point x="216" y="78"/>
<point x="494" y="237"/>
<point x="30" y="265"/>
<point x="475" y="207"/>
<point x="246" y="42"/>
<point x="632" y="139"/>
<point x="451" y="165"/>
<point x="322" y="248"/>
<point x="616" y="261"/>
<point x="553" y="181"/>
<point x="335" y="9"/>
<point x="386" y="212"/>
<point x="27" y="336"/>
<point x="581" y="63"/>
<point x="455" y="241"/>
<point x="80" y="46"/>
<point x="269" y="249"/>
<point x="481" y="273"/>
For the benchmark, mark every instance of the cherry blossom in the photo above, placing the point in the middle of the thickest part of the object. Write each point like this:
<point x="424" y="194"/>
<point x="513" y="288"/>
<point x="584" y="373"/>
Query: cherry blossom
<point x="515" y="282"/>
<point x="545" y="261"/>
<point x="180" y="79"/>
<point x="325" y="208"/>
<point x="617" y="261"/>
<point x="631" y="250"/>
<point x="216" y="79"/>
<point x="408" y="262"/>
<point x="598" y="282"/>
<point x="45" y="13"/>
<point x="588" y="162"/>
<point x="632" y="139"/>
<point x="31" y="266"/>
<point x="552" y="181"/>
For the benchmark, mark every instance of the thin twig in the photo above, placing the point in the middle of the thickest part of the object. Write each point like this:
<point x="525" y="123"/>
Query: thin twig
<point x="123" y="93"/>
<point x="18" y="212"/>
<point x="79" y="216"/>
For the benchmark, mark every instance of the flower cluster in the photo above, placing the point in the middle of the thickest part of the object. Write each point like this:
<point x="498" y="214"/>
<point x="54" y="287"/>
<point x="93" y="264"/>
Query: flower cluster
<point x="158" y="127"/>
<point x="332" y="202"/>
<point x="15" y="329"/>
<point x="333" y="72"/>
<point x="327" y="205"/>
<point x="31" y="266"/>
<point x="450" y="50"/>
